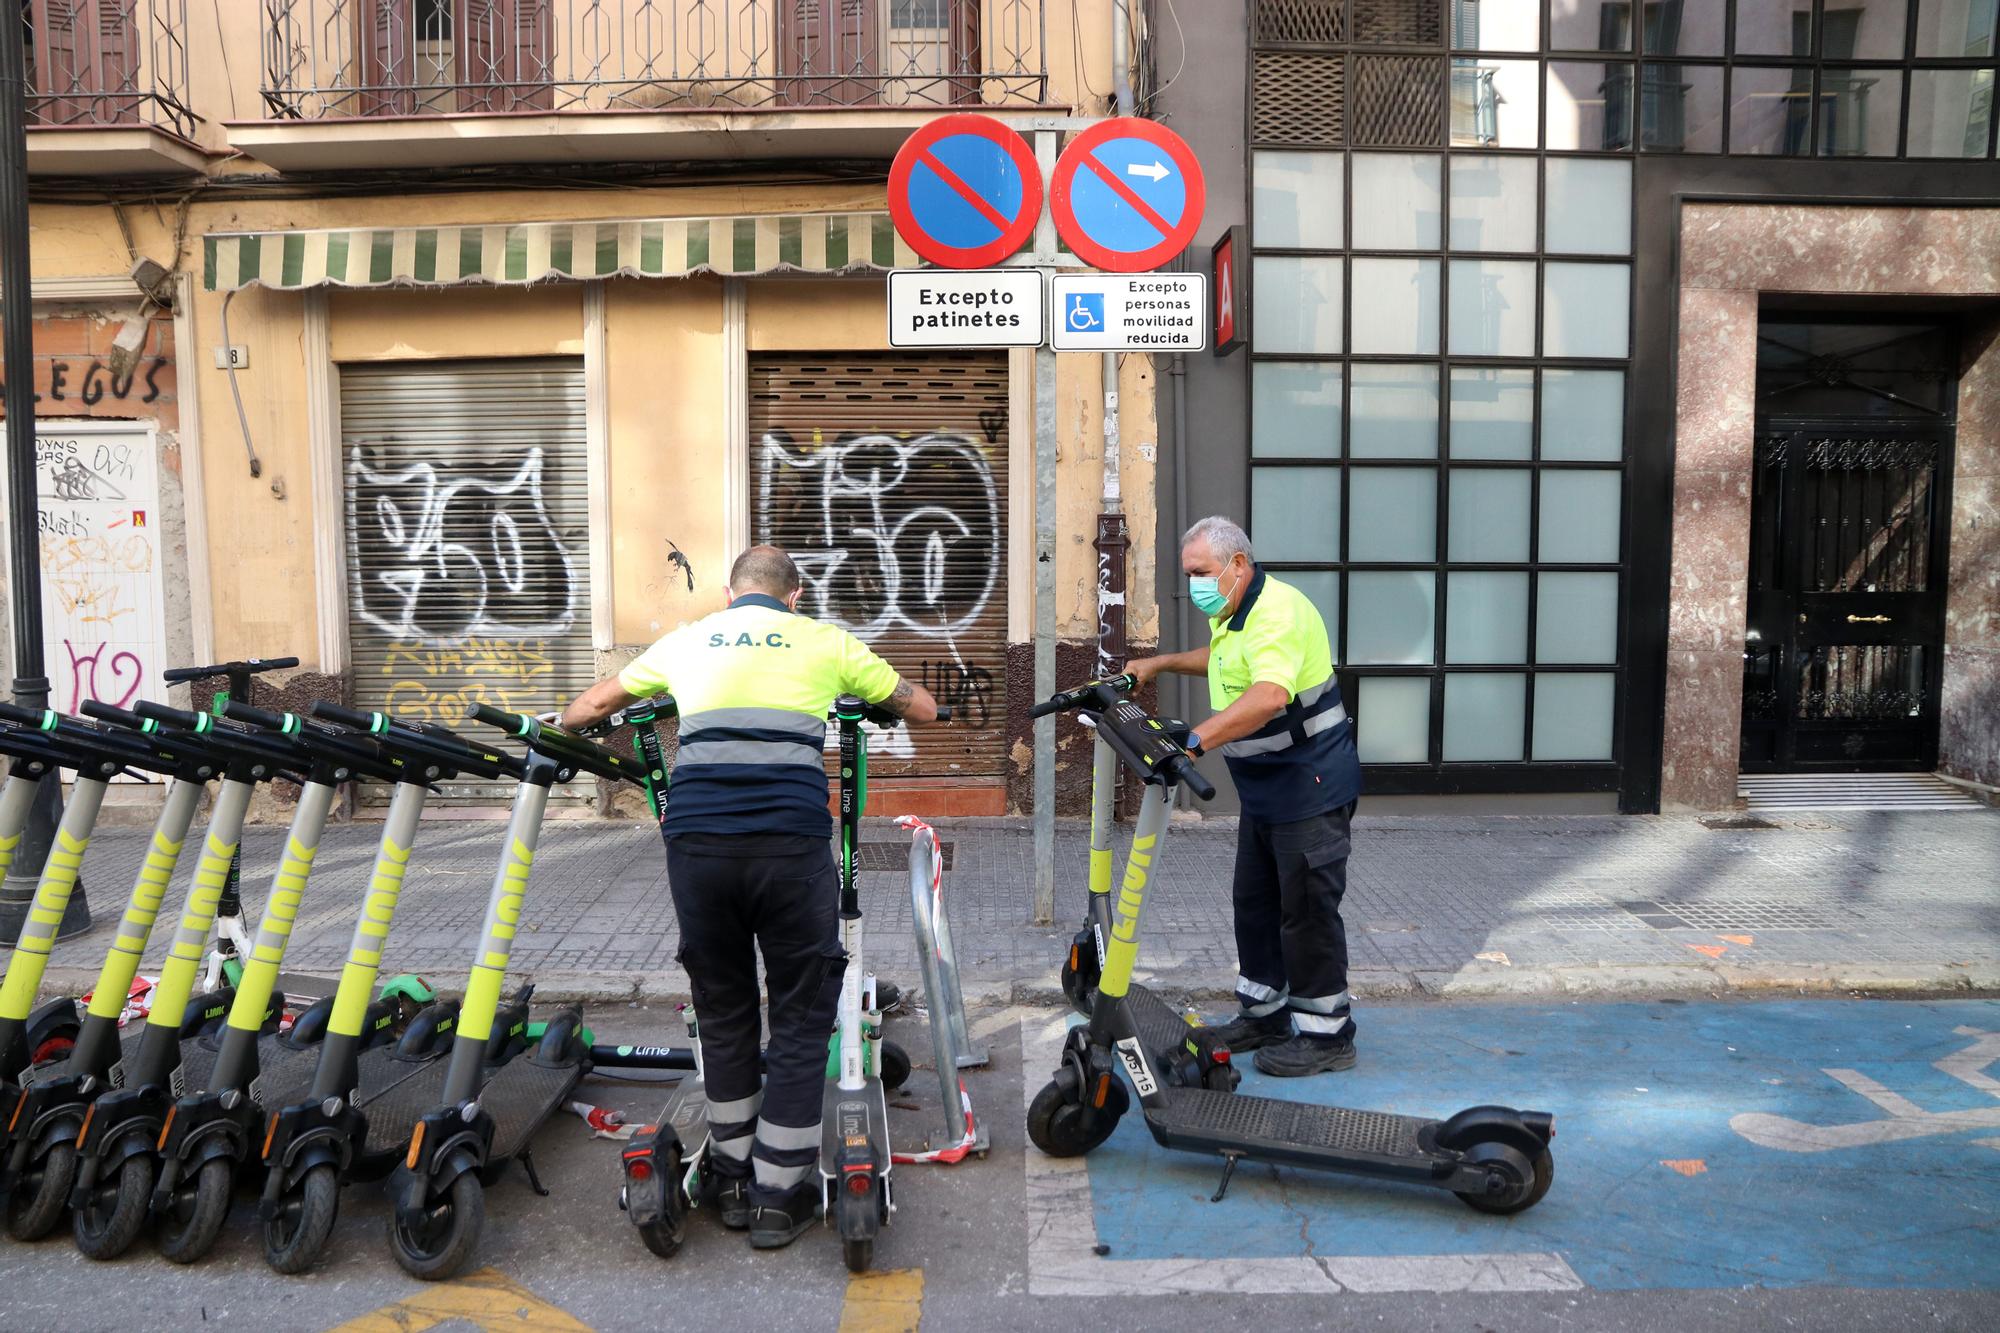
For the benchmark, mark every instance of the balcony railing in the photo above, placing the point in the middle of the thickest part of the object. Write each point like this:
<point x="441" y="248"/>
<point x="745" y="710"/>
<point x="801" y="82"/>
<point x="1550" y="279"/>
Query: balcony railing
<point x="451" y="57"/>
<point x="100" y="63"/>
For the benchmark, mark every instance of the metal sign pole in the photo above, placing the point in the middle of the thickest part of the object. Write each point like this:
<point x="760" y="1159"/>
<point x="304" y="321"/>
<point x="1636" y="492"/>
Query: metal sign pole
<point x="1045" y="569"/>
<point x="17" y="364"/>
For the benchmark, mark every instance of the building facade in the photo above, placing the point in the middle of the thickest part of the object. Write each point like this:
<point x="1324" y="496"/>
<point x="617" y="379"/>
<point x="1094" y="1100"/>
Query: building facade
<point x="482" y="334"/>
<point x="1618" y="378"/>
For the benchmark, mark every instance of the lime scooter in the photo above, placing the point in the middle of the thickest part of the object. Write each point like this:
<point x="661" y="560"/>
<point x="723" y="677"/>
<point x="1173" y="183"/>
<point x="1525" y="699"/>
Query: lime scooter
<point x="38" y="1160"/>
<point x="319" y="1135"/>
<point x="1495" y="1158"/>
<point x="477" y="1118"/>
<point x="662" y="1166"/>
<point x="50" y="1030"/>
<point x="215" y="1126"/>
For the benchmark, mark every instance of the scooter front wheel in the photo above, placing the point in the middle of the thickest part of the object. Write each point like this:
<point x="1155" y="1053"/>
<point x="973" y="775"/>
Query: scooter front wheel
<point x="40" y="1195"/>
<point x="1528" y="1186"/>
<point x="114" y="1211"/>
<point x="1060" y="1125"/>
<point x="444" y="1238"/>
<point x="195" y="1218"/>
<point x="294" y="1238"/>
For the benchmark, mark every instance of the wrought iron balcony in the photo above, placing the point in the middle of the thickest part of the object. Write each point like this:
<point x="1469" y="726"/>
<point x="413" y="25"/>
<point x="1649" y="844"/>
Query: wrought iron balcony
<point x="108" y="63"/>
<point x="341" y="58"/>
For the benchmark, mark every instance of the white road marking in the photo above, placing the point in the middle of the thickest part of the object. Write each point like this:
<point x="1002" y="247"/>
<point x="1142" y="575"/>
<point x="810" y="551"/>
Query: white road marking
<point x="1906" y="1119"/>
<point x="1062" y="1232"/>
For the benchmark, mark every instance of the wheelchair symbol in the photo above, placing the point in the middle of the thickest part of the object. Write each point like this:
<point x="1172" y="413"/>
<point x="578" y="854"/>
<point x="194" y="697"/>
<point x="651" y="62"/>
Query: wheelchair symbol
<point x="1086" y="314"/>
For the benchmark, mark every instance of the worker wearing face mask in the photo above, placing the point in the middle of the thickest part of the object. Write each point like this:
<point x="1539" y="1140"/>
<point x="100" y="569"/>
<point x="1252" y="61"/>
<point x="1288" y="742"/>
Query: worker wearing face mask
<point x="1289" y="745"/>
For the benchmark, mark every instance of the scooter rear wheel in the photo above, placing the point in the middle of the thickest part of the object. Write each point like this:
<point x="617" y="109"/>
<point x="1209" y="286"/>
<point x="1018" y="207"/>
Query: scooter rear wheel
<point x="859" y="1217"/>
<point x="294" y="1238"/>
<point x="36" y="1206"/>
<point x="1526" y="1195"/>
<point x="1057" y="1123"/>
<point x="439" y="1245"/>
<point x="192" y="1223"/>
<point x="114" y="1211"/>
<point x="664" y="1237"/>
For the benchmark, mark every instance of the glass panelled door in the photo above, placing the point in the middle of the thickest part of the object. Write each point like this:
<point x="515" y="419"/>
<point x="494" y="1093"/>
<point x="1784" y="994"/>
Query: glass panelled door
<point x="1845" y="631"/>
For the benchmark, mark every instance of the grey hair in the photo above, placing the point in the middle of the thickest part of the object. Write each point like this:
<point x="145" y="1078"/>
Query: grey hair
<point x="1225" y="537"/>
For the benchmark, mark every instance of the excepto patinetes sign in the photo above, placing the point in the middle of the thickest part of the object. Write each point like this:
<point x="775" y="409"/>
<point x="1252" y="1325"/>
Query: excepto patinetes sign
<point x="966" y="308"/>
<point x="1085" y="312"/>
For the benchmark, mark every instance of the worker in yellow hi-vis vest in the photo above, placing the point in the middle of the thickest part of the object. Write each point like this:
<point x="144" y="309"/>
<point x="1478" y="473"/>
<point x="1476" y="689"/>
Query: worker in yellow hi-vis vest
<point x="750" y="865"/>
<point x="1289" y="744"/>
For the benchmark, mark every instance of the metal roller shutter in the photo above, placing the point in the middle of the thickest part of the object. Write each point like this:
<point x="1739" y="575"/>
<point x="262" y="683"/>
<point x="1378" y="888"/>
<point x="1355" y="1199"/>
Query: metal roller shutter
<point x="885" y="476"/>
<point x="468" y="573"/>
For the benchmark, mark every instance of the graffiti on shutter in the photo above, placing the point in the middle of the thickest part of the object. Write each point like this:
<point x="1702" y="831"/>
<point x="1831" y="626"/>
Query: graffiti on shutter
<point x="886" y="479"/>
<point x="468" y="578"/>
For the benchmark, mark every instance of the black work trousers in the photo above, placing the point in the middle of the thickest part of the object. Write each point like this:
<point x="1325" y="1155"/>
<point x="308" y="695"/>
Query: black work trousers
<point x="736" y="895"/>
<point x="1291" y="944"/>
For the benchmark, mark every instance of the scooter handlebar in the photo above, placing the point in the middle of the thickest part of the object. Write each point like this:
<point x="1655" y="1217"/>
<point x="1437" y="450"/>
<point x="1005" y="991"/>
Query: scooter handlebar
<point x="876" y="713"/>
<point x="560" y="743"/>
<point x="247" y="667"/>
<point x="1096" y="692"/>
<point x="424" y="739"/>
<point x="1186" y="772"/>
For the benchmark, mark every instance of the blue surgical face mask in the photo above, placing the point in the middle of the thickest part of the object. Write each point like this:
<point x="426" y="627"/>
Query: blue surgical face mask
<point x="1206" y="593"/>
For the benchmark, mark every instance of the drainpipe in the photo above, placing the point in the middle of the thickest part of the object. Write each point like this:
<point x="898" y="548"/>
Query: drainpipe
<point x="1113" y="537"/>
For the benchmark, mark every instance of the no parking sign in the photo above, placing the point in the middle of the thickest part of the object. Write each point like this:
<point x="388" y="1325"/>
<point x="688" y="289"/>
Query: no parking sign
<point x="965" y="191"/>
<point x="1127" y="195"/>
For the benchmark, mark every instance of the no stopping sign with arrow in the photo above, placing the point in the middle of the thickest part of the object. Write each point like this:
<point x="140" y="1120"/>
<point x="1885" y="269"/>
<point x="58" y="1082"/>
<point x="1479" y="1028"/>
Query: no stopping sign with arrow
<point x="1127" y="195"/>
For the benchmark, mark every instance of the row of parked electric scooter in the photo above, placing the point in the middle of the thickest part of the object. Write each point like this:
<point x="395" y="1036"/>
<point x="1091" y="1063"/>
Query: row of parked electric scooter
<point x="157" y="1124"/>
<point x="304" y="1087"/>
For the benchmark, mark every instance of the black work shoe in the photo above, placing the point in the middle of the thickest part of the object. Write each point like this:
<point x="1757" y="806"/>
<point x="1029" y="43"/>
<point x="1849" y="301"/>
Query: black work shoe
<point x="730" y="1196"/>
<point x="1304" y="1055"/>
<point x="1245" y="1033"/>
<point x="776" y="1224"/>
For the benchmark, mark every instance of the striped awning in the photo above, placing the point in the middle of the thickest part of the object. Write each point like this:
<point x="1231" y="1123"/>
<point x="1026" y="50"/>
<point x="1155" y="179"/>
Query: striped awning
<point x="551" y="251"/>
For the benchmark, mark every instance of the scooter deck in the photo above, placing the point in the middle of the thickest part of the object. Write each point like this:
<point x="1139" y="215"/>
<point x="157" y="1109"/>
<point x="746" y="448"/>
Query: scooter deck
<point x="1258" y="1127"/>
<point x="279" y="1065"/>
<point x="520" y="1095"/>
<point x="1160" y="1026"/>
<point x="56" y="1070"/>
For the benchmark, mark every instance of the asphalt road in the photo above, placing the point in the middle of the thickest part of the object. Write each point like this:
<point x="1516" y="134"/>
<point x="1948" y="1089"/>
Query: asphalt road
<point x="1699" y="1187"/>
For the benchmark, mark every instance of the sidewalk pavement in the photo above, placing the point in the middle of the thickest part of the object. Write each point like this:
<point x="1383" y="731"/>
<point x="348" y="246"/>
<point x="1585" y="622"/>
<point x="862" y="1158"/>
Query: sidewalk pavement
<point x="1457" y="907"/>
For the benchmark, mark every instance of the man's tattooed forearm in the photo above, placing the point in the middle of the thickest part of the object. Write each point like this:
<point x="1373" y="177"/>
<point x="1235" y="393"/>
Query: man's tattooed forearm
<point x="900" y="700"/>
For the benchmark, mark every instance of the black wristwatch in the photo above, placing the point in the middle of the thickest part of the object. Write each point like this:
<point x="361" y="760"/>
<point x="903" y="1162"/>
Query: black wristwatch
<point x="1193" y="746"/>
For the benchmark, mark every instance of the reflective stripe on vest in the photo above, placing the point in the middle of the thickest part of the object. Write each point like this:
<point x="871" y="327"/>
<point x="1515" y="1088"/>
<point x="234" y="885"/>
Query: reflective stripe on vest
<point x="1287" y="729"/>
<point x="759" y="736"/>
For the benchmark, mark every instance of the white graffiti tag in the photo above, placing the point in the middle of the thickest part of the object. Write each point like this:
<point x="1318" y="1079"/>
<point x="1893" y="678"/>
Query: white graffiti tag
<point x="1906" y="1120"/>
<point x="456" y="557"/>
<point x="877" y="547"/>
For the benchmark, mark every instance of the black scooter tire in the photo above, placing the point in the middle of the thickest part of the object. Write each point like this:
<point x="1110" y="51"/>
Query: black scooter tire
<point x="1056" y="1121"/>
<point x="35" y="1207"/>
<point x="107" y="1225"/>
<point x="858" y="1216"/>
<point x="895" y="1070"/>
<point x="296" y="1237"/>
<point x="1544" y="1164"/>
<point x="183" y="1239"/>
<point x="463" y="1217"/>
<point x="664" y="1237"/>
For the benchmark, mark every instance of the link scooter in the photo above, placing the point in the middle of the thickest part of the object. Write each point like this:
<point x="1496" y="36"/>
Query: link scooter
<point x="117" y="1140"/>
<point x="319" y="1135"/>
<point x="38" y="1141"/>
<point x="1495" y="1158"/>
<point x="477" y="1119"/>
<point x="30" y="1035"/>
<point x="224" y="966"/>
<point x="209" y="1132"/>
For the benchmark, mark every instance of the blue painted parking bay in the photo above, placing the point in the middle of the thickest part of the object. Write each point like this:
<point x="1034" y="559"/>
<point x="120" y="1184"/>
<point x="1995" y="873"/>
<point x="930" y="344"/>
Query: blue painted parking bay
<point x="1697" y="1145"/>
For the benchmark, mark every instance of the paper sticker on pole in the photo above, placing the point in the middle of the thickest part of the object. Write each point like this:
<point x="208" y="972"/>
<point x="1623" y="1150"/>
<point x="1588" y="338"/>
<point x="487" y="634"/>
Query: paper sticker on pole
<point x="1127" y="195"/>
<point x="965" y="191"/>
